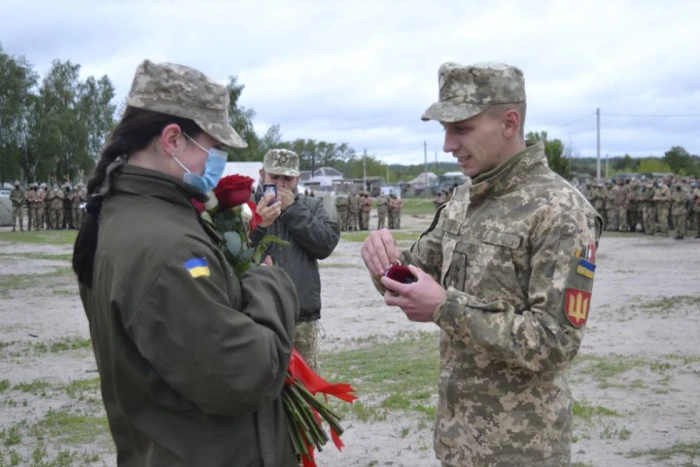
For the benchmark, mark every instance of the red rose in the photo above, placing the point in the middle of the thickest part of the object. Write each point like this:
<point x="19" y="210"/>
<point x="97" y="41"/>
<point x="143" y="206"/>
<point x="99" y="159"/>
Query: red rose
<point x="257" y="218"/>
<point x="233" y="190"/>
<point x="197" y="205"/>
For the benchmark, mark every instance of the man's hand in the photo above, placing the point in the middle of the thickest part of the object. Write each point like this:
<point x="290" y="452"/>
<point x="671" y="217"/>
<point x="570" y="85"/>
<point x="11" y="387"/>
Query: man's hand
<point x="379" y="252"/>
<point x="285" y="196"/>
<point x="268" y="213"/>
<point x="418" y="300"/>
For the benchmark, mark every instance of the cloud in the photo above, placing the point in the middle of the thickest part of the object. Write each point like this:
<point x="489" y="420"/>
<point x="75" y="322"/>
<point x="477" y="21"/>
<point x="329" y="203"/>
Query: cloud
<point x="363" y="72"/>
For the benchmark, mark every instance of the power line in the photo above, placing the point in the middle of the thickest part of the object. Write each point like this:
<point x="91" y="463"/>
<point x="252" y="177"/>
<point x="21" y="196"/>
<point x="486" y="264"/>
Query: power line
<point x="651" y="115"/>
<point x="574" y="121"/>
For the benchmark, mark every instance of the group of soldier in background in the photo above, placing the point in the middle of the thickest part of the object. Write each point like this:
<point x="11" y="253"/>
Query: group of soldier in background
<point x="48" y="208"/>
<point x="354" y="211"/>
<point x="652" y="206"/>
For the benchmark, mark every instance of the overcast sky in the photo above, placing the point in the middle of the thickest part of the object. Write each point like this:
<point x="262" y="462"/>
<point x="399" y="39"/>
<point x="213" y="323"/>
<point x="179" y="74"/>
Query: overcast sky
<point x="363" y="72"/>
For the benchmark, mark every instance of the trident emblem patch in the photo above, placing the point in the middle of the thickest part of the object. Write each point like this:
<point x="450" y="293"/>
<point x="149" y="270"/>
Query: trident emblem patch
<point x="576" y="305"/>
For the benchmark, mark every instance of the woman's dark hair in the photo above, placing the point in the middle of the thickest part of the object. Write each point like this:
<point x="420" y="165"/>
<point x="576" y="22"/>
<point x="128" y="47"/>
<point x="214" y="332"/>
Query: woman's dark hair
<point x="135" y="132"/>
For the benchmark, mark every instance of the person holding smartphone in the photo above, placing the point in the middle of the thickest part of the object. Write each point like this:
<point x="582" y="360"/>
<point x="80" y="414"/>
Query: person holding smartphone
<point x="303" y="222"/>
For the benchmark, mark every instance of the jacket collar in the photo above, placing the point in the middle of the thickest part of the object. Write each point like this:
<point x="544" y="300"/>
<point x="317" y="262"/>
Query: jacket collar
<point x="510" y="173"/>
<point x="139" y="181"/>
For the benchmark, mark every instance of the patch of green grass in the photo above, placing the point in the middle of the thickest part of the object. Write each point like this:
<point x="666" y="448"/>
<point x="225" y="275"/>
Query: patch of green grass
<point x="607" y="370"/>
<point x="76" y="387"/>
<point x="407" y="370"/>
<point x="586" y="412"/>
<point x="70" y="343"/>
<point x="11" y="437"/>
<point x="691" y="450"/>
<point x="401" y="235"/>
<point x="35" y="387"/>
<point x="4" y="385"/>
<point x="70" y="427"/>
<point x="64" y="292"/>
<point x="10" y="282"/>
<point x="668" y="304"/>
<point x="418" y="206"/>
<point x="45" y="256"/>
<point x="43" y="237"/>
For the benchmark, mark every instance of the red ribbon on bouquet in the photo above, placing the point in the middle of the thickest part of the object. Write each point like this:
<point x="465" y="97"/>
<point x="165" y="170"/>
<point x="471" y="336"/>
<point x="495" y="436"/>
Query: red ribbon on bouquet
<point x="301" y="371"/>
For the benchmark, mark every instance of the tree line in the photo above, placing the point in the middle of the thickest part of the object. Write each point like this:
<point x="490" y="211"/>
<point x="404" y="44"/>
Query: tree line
<point x="56" y="126"/>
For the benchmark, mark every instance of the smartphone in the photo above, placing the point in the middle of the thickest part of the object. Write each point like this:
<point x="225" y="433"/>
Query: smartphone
<point x="270" y="187"/>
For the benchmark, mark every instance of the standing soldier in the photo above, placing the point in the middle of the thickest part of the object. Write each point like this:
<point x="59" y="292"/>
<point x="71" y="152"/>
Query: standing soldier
<point x="613" y="209"/>
<point x="80" y="194"/>
<point x="678" y="210"/>
<point x="397" y="203"/>
<point x="649" y="214"/>
<point x="391" y="211"/>
<point x="365" y="210"/>
<point x="341" y="207"/>
<point x="382" y="209"/>
<point x="56" y="207"/>
<point x="695" y="206"/>
<point x="662" y="200"/>
<point x="42" y="208"/>
<point x="17" y="197"/>
<point x="622" y="201"/>
<point x="599" y="201"/>
<point x="31" y="206"/>
<point x="68" y="196"/>
<point x="353" y="210"/>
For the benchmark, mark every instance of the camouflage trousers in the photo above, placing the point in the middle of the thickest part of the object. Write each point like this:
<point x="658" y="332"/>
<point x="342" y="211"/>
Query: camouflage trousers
<point x="56" y="219"/>
<point x="648" y="219"/>
<point x="77" y="217"/>
<point x="17" y="214"/>
<point x="352" y="220"/>
<point x="663" y="219"/>
<point x="679" y="222"/>
<point x="612" y="220"/>
<point x="364" y="220"/>
<point x="381" y="219"/>
<point x="306" y="342"/>
<point x="622" y="219"/>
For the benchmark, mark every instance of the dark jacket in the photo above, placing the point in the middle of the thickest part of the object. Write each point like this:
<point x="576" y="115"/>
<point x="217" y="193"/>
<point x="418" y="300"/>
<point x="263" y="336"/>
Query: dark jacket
<point x="192" y="360"/>
<point x="313" y="236"/>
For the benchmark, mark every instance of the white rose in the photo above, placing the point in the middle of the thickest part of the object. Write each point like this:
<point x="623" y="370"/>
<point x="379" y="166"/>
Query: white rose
<point x="212" y="202"/>
<point x="246" y="213"/>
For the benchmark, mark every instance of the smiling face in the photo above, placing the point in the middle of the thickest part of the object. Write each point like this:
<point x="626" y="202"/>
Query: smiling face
<point x="484" y="141"/>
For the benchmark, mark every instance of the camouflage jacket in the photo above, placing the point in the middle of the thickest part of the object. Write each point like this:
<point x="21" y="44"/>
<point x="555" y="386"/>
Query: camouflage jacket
<point x="514" y="315"/>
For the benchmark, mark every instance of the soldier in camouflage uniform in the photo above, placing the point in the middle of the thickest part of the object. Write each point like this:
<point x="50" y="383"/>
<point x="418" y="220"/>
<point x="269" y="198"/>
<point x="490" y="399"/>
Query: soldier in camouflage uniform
<point x="341" y="208"/>
<point x="55" y="198"/>
<point x="365" y="210"/>
<point x="622" y="201"/>
<point x="695" y="205"/>
<point x="42" y="208"/>
<point x="662" y="201"/>
<point x="353" y="211"/>
<point x="32" y="220"/>
<point x="599" y="202"/>
<point x="18" y="199"/>
<point x="500" y="272"/>
<point x="612" y="209"/>
<point x="382" y="209"/>
<point x="649" y="214"/>
<point x="79" y="197"/>
<point x="679" y="210"/>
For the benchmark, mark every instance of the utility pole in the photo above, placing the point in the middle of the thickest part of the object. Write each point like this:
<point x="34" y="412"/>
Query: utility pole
<point x="364" y="170"/>
<point x="425" y="154"/>
<point x="597" y="114"/>
<point x="607" y="167"/>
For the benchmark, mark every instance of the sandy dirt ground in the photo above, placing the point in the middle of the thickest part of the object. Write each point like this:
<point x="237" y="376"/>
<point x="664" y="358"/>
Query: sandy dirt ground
<point x="635" y="380"/>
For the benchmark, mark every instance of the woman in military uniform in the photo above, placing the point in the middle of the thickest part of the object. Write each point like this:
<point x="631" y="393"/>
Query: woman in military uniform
<point x="192" y="360"/>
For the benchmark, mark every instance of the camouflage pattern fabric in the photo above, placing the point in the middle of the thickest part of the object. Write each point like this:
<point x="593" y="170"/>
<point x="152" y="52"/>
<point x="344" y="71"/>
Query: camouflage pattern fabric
<point x="679" y="211"/>
<point x="281" y="162"/>
<point x="306" y="342"/>
<point x="382" y="209"/>
<point x="514" y="315"/>
<point x="465" y="91"/>
<point x="18" y="199"/>
<point x="662" y="199"/>
<point x="184" y="92"/>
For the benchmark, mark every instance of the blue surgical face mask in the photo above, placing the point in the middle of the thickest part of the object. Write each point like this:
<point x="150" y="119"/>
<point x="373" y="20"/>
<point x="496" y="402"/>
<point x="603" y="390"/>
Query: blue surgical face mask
<point x="213" y="169"/>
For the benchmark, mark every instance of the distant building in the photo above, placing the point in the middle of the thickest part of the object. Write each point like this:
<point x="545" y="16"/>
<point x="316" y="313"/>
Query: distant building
<point x="323" y="177"/>
<point x="420" y="181"/>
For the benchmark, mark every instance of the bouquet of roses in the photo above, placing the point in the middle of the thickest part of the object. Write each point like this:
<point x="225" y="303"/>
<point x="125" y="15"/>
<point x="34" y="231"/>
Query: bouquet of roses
<point x="229" y="217"/>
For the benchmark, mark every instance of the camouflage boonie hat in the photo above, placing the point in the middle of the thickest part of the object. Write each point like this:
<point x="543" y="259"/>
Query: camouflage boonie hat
<point x="466" y="91"/>
<point x="281" y="162"/>
<point x="187" y="93"/>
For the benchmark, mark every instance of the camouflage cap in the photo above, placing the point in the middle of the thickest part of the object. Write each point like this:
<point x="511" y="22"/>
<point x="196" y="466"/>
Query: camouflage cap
<point x="187" y="93"/>
<point x="281" y="162"/>
<point x="466" y="91"/>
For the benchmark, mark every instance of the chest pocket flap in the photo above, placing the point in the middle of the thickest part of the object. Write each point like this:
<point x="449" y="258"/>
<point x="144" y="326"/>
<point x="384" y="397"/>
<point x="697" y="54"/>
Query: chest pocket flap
<point x="503" y="239"/>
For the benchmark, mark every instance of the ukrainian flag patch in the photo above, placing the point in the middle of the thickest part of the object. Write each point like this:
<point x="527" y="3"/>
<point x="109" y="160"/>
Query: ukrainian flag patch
<point x="198" y="267"/>
<point x="585" y="269"/>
